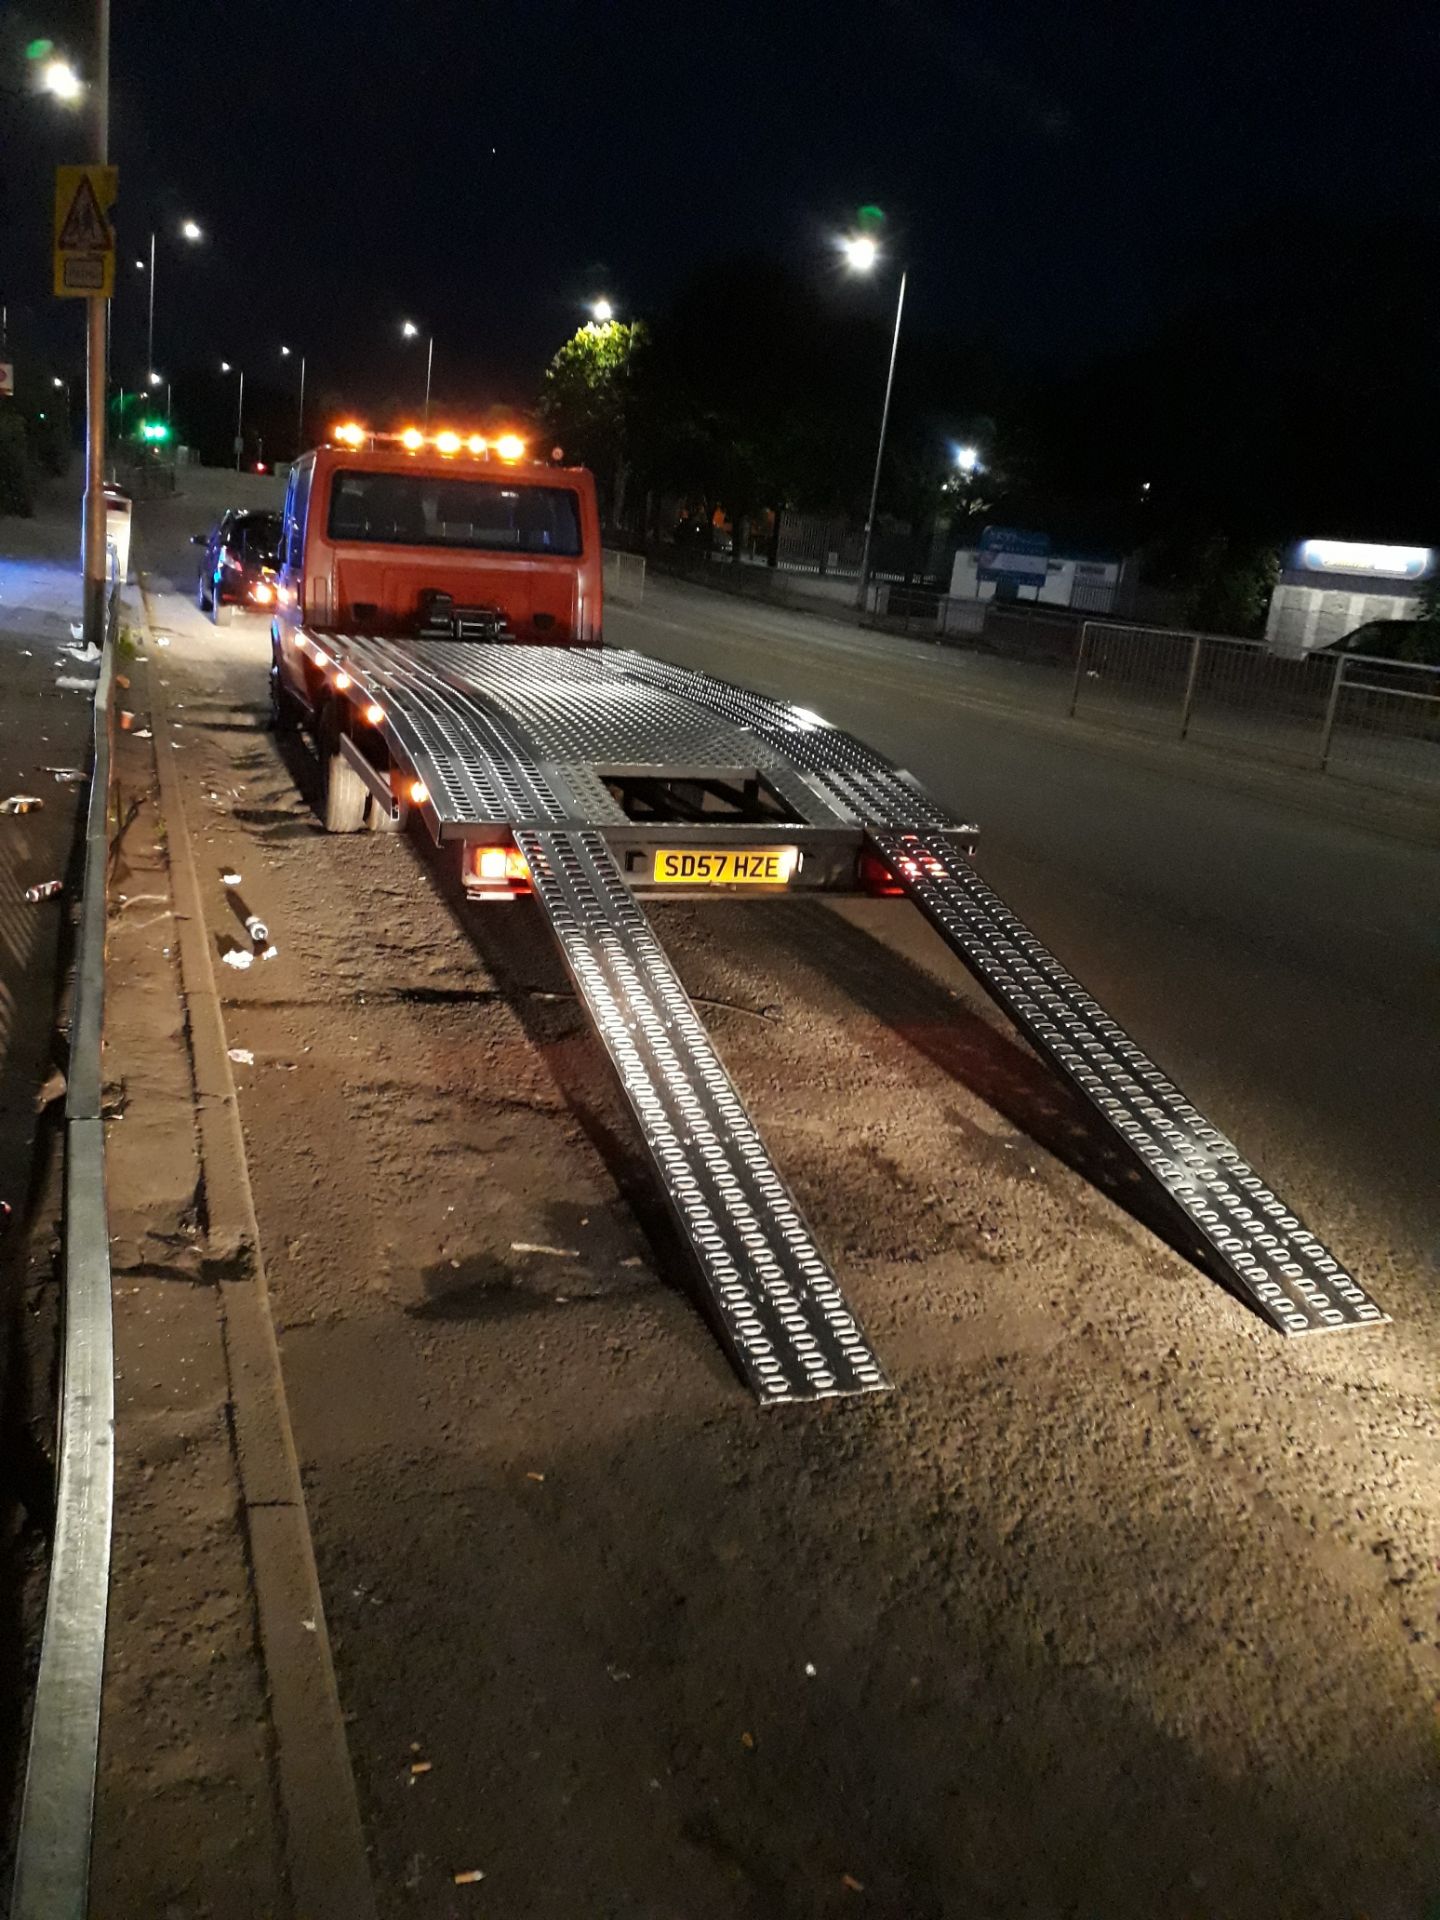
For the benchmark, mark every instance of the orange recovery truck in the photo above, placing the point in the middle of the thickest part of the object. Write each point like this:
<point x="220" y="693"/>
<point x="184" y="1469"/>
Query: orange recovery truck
<point x="438" y="632"/>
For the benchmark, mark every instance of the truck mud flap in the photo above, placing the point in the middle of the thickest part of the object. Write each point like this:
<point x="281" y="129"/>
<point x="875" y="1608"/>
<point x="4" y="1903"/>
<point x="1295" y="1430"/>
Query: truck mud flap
<point x="1249" y="1234"/>
<point x="775" y="1302"/>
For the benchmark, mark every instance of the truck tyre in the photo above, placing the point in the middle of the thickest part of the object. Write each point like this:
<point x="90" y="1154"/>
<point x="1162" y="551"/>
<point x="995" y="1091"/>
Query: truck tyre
<point x="379" y="819"/>
<point x="343" y="793"/>
<point x="284" y="708"/>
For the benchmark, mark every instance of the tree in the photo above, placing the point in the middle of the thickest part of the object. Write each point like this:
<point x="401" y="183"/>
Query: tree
<point x="586" y="403"/>
<point x="742" y="403"/>
<point x="1226" y="582"/>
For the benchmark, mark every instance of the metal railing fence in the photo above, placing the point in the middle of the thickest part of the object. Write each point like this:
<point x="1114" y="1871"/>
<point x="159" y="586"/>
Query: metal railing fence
<point x="52" y="1851"/>
<point x="624" y="576"/>
<point x="1376" y="719"/>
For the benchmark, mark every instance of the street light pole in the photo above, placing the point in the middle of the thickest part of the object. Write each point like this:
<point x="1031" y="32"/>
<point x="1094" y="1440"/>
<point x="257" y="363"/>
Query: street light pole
<point x="240" y="423"/>
<point x="285" y="354"/>
<point x="150" y="330"/>
<point x="880" y="451"/>
<point x="93" y="514"/>
<point x="409" y="331"/>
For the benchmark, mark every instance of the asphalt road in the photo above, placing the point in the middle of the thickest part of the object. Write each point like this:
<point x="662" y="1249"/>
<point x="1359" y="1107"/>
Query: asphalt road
<point x="1119" y="1605"/>
<point x="1283" y="963"/>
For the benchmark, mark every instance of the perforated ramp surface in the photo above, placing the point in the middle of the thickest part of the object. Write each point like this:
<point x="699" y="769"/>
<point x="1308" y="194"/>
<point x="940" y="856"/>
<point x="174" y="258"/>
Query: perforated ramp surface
<point x="775" y="1301"/>
<point x="859" y="783"/>
<point x="1269" y="1255"/>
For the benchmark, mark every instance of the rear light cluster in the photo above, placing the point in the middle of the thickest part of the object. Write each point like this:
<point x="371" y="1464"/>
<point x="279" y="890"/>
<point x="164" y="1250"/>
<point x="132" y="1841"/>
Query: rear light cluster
<point x="495" y="873"/>
<point x="875" y="877"/>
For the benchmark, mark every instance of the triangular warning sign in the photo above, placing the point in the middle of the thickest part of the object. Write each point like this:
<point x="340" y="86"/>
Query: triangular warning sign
<point x="85" y="228"/>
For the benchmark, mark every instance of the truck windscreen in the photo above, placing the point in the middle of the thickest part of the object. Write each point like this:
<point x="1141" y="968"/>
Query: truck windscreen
<point x="432" y="510"/>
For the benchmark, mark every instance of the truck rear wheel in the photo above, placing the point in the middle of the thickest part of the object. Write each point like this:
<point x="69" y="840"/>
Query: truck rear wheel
<point x="381" y="820"/>
<point x="284" y="708"/>
<point x="343" y="793"/>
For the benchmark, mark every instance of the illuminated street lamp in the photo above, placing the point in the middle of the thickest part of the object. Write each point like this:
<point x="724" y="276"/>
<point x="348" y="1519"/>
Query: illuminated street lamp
<point x="603" y="312"/>
<point x="861" y="256"/>
<point x="409" y="331"/>
<point x="60" y="78"/>
<point x="967" y="459"/>
<point x="189" y="230"/>
<point x="156" y="379"/>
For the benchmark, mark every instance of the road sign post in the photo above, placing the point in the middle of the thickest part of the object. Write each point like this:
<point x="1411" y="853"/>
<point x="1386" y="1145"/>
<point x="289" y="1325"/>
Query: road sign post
<point x="84" y="237"/>
<point x="85" y="268"/>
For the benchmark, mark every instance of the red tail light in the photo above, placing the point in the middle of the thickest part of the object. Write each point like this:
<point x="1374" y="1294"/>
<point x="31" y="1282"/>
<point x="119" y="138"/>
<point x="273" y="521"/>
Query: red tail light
<point x="495" y="873"/>
<point x="875" y="877"/>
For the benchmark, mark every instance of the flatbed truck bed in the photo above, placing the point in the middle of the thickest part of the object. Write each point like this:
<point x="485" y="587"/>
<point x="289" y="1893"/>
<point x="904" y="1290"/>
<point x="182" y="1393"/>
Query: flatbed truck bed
<point x="593" y="778"/>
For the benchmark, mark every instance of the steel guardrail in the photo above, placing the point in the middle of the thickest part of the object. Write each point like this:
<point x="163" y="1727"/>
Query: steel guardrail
<point x="52" y="1851"/>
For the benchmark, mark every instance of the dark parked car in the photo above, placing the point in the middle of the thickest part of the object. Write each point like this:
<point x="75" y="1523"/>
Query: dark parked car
<point x="241" y="563"/>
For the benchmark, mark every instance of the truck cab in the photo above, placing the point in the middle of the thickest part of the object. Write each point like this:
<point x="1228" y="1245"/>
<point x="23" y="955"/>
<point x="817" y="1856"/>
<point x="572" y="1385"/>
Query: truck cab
<point x="427" y="537"/>
<point x="434" y="536"/>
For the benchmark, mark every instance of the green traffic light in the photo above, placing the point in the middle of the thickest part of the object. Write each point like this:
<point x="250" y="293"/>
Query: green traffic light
<point x="155" y="430"/>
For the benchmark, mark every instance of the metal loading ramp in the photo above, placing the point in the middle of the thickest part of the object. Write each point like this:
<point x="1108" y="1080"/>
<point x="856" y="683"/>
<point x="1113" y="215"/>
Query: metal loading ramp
<point x="518" y="742"/>
<point x="775" y="1302"/>
<point x="1263" y="1248"/>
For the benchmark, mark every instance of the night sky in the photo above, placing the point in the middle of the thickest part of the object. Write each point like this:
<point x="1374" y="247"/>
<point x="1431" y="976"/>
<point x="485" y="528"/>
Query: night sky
<point x="1051" y="172"/>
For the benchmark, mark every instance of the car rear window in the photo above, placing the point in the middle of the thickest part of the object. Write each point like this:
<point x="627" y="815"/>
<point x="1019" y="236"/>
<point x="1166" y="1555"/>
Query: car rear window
<point x="430" y="510"/>
<point x="258" y="535"/>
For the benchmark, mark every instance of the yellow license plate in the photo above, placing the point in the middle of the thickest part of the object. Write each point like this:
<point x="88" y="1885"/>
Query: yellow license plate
<point x="735" y="867"/>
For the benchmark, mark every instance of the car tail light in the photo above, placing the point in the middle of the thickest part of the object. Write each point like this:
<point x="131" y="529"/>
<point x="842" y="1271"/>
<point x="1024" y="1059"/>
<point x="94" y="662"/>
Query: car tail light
<point x="262" y="593"/>
<point x="495" y="873"/>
